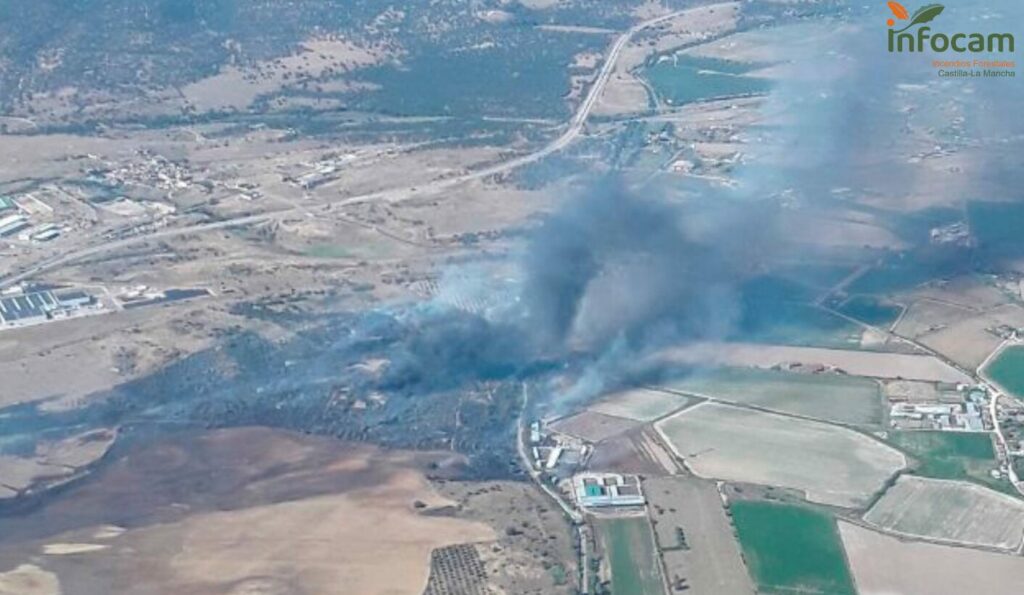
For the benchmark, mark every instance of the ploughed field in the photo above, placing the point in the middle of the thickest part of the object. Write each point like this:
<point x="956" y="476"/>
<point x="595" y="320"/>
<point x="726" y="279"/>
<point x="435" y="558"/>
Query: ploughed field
<point x="832" y="465"/>
<point x="832" y="397"/>
<point x="248" y="510"/>
<point x="641" y="404"/>
<point x="695" y="537"/>
<point x="885" y="564"/>
<point x="951" y="511"/>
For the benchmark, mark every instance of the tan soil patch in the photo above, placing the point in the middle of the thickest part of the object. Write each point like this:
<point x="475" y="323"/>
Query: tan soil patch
<point x="237" y="88"/>
<point x="832" y="465"/>
<point x="952" y="511"/>
<point x="28" y="579"/>
<point x="856" y="363"/>
<point x="885" y="565"/>
<point x="235" y="511"/>
<point x="713" y="562"/>
<point x="594" y="427"/>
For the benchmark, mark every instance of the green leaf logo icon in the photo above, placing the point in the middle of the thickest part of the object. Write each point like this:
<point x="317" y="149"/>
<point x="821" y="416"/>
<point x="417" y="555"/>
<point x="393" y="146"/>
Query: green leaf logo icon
<point x="923" y="15"/>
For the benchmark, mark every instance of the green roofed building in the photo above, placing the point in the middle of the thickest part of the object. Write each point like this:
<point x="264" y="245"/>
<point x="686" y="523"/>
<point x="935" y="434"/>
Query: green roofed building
<point x="596" y="490"/>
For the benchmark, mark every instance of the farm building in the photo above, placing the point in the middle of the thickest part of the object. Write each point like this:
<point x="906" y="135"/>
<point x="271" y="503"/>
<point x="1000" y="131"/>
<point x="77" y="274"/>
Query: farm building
<point x="12" y="224"/>
<point x="597" y="490"/>
<point x="7" y="205"/>
<point x="26" y="308"/>
<point x="39" y="306"/>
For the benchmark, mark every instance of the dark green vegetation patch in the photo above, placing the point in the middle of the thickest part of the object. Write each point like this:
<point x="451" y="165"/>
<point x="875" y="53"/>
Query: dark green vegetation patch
<point x="778" y="310"/>
<point x="997" y="227"/>
<point x="1007" y="370"/>
<point x="951" y="455"/>
<point x="791" y="549"/>
<point x="683" y="79"/>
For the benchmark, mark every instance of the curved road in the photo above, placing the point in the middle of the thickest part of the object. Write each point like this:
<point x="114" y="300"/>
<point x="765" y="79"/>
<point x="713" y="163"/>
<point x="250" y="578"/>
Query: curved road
<point x="574" y="129"/>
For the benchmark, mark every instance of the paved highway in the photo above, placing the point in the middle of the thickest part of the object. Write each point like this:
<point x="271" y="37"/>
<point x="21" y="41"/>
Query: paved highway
<point x="574" y="129"/>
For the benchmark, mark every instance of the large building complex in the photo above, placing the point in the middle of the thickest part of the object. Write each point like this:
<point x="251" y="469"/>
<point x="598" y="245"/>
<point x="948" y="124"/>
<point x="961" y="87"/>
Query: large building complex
<point x="599" y="490"/>
<point x="38" y="306"/>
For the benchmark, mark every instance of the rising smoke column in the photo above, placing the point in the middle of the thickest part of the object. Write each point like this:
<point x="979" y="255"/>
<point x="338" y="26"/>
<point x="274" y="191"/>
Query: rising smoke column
<point x="617" y="272"/>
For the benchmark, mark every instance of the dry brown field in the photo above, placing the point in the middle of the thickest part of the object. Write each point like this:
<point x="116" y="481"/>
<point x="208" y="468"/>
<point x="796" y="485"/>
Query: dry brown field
<point x="968" y="341"/>
<point x="925" y="316"/>
<point x="711" y="561"/>
<point x="640" y="404"/>
<point x="243" y="511"/>
<point x="884" y="565"/>
<point x="594" y="427"/>
<point x="856" y="363"/>
<point x="953" y="511"/>
<point x="833" y="465"/>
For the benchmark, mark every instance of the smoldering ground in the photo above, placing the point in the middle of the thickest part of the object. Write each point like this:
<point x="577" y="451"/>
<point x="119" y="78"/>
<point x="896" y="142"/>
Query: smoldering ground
<point x="611" y="274"/>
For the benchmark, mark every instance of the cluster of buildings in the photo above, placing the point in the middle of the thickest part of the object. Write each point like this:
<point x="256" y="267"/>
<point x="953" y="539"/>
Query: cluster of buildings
<point x="322" y="171"/>
<point x="553" y="454"/>
<point x="33" y="307"/>
<point x="967" y="415"/>
<point x="605" y="490"/>
<point x="149" y="169"/>
<point x="14" y="220"/>
<point x="560" y="460"/>
<point x="957" y="234"/>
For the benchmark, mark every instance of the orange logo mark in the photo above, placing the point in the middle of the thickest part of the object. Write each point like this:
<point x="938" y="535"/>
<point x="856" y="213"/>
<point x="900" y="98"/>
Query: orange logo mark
<point x="898" y="10"/>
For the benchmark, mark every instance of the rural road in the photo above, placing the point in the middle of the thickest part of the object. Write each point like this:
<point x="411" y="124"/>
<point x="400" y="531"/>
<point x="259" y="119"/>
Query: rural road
<point x="995" y="391"/>
<point x="977" y="376"/>
<point x="574" y="129"/>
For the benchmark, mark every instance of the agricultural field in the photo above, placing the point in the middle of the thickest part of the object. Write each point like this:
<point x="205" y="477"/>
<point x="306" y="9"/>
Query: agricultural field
<point x="244" y="510"/>
<point x="968" y="341"/>
<point x="639" y="453"/>
<point x="832" y="465"/>
<point x="871" y="364"/>
<point x="832" y="397"/>
<point x="791" y="549"/>
<point x="926" y="316"/>
<point x="871" y="311"/>
<point x="695" y="537"/>
<point x="628" y="547"/>
<point x="1007" y="370"/>
<point x="594" y="427"/>
<point x="537" y="556"/>
<point x="951" y="455"/>
<point x="640" y="404"/>
<point x="893" y="276"/>
<point x="683" y="79"/>
<point x="951" y="511"/>
<point x="794" y="323"/>
<point x="911" y="391"/>
<point x="884" y="564"/>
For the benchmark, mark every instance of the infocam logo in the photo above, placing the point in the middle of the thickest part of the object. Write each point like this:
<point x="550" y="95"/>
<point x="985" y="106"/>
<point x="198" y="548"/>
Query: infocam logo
<point x="916" y="41"/>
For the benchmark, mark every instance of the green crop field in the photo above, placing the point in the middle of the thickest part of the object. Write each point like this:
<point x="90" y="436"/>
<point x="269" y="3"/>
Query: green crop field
<point x="629" y="547"/>
<point x="791" y="549"/>
<point x="842" y="399"/>
<point x="1008" y="370"/>
<point x="684" y="79"/>
<point x="951" y="455"/>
